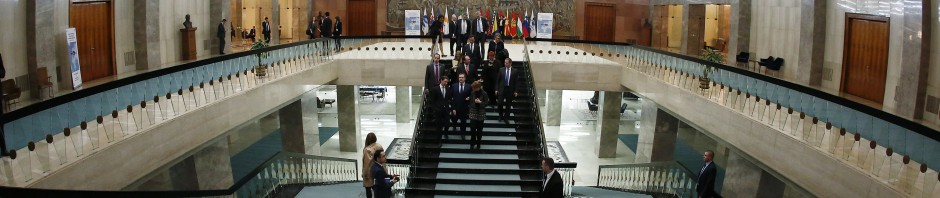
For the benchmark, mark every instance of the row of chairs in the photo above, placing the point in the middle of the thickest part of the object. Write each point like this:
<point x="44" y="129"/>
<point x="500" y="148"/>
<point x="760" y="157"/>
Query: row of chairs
<point x="12" y="92"/>
<point x="770" y="65"/>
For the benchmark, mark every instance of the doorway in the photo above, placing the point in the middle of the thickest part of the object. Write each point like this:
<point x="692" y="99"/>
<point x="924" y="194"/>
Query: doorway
<point x="361" y="16"/>
<point x="865" y="59"/>
<point x="717" y="27"/>
<point x="599" y="22"/>
<point x="93" y="23"/>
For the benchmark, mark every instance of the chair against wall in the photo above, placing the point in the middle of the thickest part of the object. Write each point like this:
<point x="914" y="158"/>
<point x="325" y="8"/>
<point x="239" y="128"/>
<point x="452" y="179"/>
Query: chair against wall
<point x="11" y="93"/>
<point x="43" y="80"/>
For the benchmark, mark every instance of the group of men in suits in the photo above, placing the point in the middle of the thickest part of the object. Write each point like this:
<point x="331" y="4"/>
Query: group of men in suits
<point x="461" y="29"/>
<point x="445" y="96"/>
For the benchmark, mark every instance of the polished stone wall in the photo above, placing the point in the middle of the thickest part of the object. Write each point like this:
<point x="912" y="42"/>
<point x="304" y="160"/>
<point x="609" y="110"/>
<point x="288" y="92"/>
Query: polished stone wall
<point x="775" y="31"/>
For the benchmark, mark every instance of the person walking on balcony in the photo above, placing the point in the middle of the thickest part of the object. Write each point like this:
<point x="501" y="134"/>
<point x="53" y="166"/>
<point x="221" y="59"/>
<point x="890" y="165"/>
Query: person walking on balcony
<point x="312" y="28"/>
<point x="266" y="30"/>
<point x="367" y="155"/>
<point x="507" y="89"/>
<point x="326" y="26"/>
<point x="705" y="186"/>
<point x="382" y="181"/>
<point x="552" y="186"/>
<point x="337" y="31"/>
<point x="221" y="35"/>
<point x="477" y="112"/>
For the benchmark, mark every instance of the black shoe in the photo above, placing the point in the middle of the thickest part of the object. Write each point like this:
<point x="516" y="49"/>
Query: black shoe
<point x="506" y="121"/>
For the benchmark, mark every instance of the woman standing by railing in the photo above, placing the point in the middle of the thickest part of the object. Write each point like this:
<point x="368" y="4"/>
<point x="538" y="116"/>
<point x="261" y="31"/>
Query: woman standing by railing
<point x="367" y="156"/>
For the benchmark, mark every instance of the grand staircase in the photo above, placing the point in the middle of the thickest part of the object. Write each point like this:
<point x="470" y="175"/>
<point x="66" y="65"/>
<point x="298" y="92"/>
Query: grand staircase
<point x="507" y="165"/>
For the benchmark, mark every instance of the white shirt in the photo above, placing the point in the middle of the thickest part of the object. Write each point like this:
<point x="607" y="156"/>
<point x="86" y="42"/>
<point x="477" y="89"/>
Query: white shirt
<point x="547" y="177"/>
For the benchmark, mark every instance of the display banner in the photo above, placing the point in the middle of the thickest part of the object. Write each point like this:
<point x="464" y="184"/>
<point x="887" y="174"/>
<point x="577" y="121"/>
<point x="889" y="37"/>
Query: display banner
<point x="413" y="22"/>
<point x="75" y="65"/>
<point x="545" y="25"/>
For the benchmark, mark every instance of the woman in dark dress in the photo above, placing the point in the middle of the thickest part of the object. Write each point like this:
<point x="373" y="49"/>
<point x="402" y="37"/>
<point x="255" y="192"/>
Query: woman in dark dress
<point x="477" y="113"/>
<point x="436" y="35"/>
<point x="491" y="73"/>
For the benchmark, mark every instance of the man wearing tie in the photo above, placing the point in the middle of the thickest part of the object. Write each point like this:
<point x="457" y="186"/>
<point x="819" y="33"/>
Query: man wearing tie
<point x="266" y="30"/>
<point x="433" y="73"/>
<point x="706" y="177"/>
<point x="480" y="29"/>
<point x="472" y="50"/>
<point x="440" y="98"/>
<point x="460" y="104"/>
<point x="552" y="186"/>
<point x="507" y="90"/>
<point x="464" y="30"/>
<point x="468" y="69"/>
<point x="454" y="37"/>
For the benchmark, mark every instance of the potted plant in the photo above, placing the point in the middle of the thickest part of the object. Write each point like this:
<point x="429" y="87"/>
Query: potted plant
<point x="709" y="55"/>
<point x="260" y="70"/>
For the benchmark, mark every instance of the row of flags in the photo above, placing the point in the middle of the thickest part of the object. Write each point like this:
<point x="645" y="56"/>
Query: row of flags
<point x="516" y="24"/>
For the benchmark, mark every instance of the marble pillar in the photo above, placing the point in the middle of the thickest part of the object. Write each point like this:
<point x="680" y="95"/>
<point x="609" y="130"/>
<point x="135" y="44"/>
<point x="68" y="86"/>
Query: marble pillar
<point x="745" y="179"/>
<point x="40" y="40"/>
<point x="301" y="18"/>
<point x="147" y="34"/>
<point x="608" y="124"/>
<point x="658" y="133"/>
<point x="540" y="97"/>
<point x="915" y="43"/>
<point x="299" y="125"/>
<point x="402" y="104"/>
<point x="693" y="29"/>
<point x="812" y="42"/>
<point x="213" y="167"/>
<point x="218" y="10"/>
<point x="347" y="103"/>
<point x="740" y="27"/>
<point x="553" y="107"/>
<point x="417" y="94"/>
<point x="275" y="20"/>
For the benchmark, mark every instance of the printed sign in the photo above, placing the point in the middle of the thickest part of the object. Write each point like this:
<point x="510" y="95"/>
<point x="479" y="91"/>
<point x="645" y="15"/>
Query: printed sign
<point x="412" y="22"/>
<point x="545" y="25"/>
<point x="75" y="65"/>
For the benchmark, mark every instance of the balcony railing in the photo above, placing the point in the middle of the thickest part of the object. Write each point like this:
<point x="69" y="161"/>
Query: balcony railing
<point x="896" y="150"/>
<point x="658" y="178"/>
<point x="52" y="134"/>
<point x="270" y="178"/>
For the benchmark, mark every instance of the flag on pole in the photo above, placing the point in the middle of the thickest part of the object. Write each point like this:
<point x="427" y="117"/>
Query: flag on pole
<point x="446" y="22"/>
<point x="533" y="31"/>
<point x="494" y="28"/>
<point x="525" y="25"/>
<point x="519" y="32"/>
<point x="424" y="21"/>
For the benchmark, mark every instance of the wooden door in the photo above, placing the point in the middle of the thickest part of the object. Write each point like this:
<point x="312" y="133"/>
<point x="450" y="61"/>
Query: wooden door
<point x="599" y="22"/>
<point x="93" y="27"/>
<point x="361" y="14"/>
<point x="865" y="59"/>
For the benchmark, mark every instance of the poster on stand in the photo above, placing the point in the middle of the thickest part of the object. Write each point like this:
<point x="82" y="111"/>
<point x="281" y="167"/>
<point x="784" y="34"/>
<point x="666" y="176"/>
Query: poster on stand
<point x="545" y="24"/>
<point x="74" y="64"/>
<point x="413" y="22"/>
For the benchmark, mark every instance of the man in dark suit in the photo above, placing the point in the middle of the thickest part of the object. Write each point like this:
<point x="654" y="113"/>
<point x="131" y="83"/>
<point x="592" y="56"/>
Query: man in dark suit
<point x="507" y="89"/>
<point x="326" y="26"/>
<point x="553" y="185"/>
<point x="470" y="70"/>
<point x="460" y="103"/>
<point x="440" y="98"/>
<point x="312" y="28"/>
<point x="706" y="177"/>
<point x="434" y="72"/>
<point x="479" y="28"/>
<point x="337" y="31"/>
<point x="454" y="35"/>
<point x="221" y="35"/>
<point x="464" y="27"/>
<point x="382" y="182"/>
<point x="266" y="30"/>
<point x="472" y="50"/>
